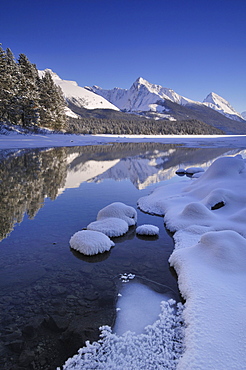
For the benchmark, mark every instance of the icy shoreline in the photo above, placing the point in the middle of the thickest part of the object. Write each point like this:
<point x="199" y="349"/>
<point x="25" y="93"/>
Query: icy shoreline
<point x="16" y="140"/>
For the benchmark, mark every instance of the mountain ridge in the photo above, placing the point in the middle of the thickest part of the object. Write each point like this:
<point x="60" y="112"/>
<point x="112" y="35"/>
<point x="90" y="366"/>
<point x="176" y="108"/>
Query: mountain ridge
<point x="144" y="96"/>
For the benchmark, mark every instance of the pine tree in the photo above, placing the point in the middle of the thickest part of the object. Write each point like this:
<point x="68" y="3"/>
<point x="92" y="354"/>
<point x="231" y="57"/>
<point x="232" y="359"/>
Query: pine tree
<point x="52" y="103"/>
<point x="28" y="96"/>
<point x="5" y="83"/>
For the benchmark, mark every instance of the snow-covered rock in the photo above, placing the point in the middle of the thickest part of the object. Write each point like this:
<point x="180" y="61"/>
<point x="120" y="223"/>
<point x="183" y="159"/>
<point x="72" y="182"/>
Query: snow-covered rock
<point x="192" y="170"/>
<point x="90" y="242"/>
<point x="78" y="95"/>
<point x="146" y="229"/>
<point x="111" y="226"/>
<point x="222" y="106"/>
<point x="243" y="114"/>
<point x="119" y="210"/>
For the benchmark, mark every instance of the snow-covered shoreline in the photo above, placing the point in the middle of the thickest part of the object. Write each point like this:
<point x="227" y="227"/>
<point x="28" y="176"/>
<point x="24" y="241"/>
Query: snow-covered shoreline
<point x="22" y="141"/>
<point x="208" y="218"/>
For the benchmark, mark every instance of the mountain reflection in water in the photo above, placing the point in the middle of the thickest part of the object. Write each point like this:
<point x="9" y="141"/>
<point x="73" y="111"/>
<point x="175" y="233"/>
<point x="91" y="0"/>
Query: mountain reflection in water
<point x="28" y="177"/>
<point x="52" y="298"/>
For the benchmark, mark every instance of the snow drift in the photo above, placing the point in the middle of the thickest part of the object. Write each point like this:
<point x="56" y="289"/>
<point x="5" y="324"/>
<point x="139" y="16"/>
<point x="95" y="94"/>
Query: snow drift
<point x="208" y="217"/>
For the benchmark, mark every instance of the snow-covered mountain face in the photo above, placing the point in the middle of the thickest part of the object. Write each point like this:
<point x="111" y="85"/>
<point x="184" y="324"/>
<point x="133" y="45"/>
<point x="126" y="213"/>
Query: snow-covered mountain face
<point x="243" y="114"/>
<point x="79" y="96"/>
<point x="144" y="96"/>
<point x="221" y="105"/>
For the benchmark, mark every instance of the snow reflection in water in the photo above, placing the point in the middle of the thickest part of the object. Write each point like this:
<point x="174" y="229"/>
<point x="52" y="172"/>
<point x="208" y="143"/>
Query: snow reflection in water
<point x="53" y="299"/>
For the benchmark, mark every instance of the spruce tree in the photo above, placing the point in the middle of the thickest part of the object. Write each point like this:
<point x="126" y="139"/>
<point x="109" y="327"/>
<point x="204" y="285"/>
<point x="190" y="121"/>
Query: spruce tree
<point x="28" y="96"/>
<point x="52" y="103"/>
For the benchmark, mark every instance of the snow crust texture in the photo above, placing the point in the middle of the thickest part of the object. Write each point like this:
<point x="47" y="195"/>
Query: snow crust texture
<point x="90" y="242"/>
<point x="208" y="217"/>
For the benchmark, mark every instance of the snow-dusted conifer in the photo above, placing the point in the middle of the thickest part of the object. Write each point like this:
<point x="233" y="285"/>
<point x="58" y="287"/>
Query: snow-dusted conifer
<point x="28" y="97"/>
<point x="52" y="103"/>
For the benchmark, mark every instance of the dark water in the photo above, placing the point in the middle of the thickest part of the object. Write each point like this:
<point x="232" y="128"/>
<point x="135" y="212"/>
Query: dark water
<point x="51" y="298"/>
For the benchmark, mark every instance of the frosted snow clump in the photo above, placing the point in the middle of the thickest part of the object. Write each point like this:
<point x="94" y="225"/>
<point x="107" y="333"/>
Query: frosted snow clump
<point x="90" y="242"/>
<point x="119" y="210"/>
<point x="146" y="229"/>
<point x="160" y="347"/>
<point x="110" y="226"/>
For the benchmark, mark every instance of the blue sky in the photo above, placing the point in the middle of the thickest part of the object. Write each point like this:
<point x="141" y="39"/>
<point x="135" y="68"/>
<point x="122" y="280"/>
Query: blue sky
<point x="193" y="46"/>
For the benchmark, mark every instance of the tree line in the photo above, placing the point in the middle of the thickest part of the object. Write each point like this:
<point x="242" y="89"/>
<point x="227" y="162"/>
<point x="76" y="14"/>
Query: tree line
<point x="143" y="127"/>
<point x="27" y="99"/>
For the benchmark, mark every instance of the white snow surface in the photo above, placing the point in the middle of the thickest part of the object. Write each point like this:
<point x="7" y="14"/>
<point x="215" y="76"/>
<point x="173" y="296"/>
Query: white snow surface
<point x="147" y="230"/>
<point x="192" y="170"/>
<point x="16" y="139"/>
<point x="209" y="257"/>
<point x="111" y="226"/>
<point x="79" y="95"/>
<point x="90" y="242"/>
<point x="119" y="210"/>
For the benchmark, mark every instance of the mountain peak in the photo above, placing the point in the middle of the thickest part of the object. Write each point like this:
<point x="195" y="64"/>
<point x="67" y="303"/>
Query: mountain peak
<point x="220" y="104"/>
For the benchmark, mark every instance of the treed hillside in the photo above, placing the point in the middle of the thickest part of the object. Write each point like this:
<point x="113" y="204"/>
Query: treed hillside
<point x="25" y="98"/>
<point x="140" y="126"/>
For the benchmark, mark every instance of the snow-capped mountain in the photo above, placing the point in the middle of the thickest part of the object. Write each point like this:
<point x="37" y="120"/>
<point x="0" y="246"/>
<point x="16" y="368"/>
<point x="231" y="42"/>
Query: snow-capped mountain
<point x="221" y="105"/>
<point x="79" y="96"/>
<point x="243" y="114"/>
<point x="144" y="96"/>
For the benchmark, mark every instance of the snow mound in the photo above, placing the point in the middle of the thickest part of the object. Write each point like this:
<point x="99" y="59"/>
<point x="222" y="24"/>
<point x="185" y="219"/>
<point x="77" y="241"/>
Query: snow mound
<point x="90" y="242"/>
<point x="147" y="230"/>
<point x="208" y="217"/>
<point x="110" y="226"/>
<point x="192" y="170"/>
<point x="119" y="210"/>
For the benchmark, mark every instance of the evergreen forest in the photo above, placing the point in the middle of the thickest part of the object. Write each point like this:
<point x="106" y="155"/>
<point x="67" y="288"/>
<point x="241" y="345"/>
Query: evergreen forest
<point x="25" y="98"/>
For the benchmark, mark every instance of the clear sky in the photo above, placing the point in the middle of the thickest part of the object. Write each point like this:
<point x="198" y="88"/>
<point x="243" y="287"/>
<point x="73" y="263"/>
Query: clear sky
<point x="193" y="47"/>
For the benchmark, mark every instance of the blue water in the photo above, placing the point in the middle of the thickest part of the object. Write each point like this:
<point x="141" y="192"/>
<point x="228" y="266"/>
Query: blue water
<point x="53" y="299"/>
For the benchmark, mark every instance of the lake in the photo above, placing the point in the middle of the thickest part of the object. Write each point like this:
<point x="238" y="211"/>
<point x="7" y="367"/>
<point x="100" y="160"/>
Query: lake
<point x="53" y="299"/>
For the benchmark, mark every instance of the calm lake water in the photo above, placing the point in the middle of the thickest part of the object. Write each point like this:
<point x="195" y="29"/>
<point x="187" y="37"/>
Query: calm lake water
<point x="53" y="299"/>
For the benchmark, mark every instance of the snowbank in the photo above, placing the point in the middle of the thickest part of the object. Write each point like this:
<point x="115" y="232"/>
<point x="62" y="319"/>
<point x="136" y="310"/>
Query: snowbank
<point x="120" y="211"/>
<point x="208" y="217"/>
<point x="90" y="242"/>
<point x="147" y="230"/>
